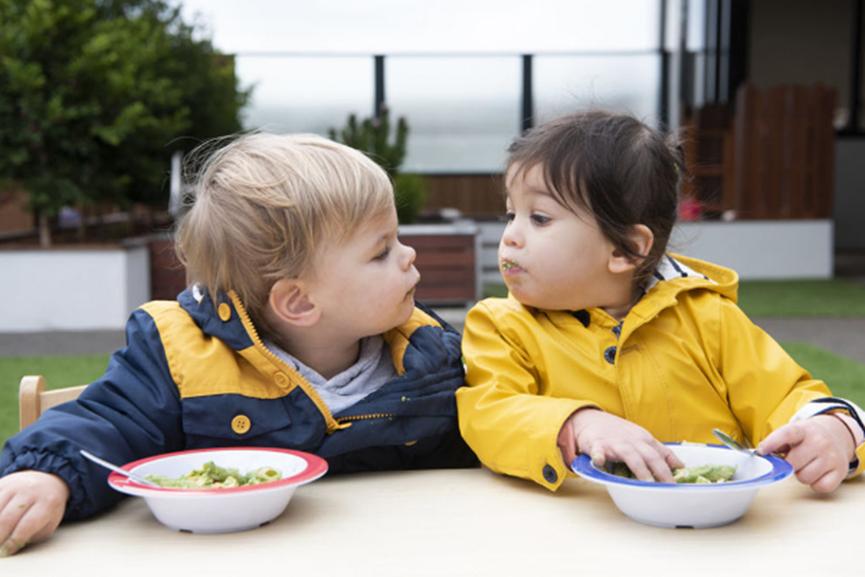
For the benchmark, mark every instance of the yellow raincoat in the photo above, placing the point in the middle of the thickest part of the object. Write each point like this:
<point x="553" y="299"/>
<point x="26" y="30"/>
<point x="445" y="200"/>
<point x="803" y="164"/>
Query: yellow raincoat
<point x="684" y="360"/>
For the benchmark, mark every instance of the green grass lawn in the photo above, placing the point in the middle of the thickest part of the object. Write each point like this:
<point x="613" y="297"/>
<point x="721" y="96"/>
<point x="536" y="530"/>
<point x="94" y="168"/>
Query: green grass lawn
<point x="58" y="372"/>
<point x="846" y="377"/>
<point x="803" y="298"/>
<point x="789" y="298"/>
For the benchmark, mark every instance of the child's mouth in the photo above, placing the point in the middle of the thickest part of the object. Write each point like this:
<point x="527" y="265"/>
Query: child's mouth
<point x="510" y="267"/>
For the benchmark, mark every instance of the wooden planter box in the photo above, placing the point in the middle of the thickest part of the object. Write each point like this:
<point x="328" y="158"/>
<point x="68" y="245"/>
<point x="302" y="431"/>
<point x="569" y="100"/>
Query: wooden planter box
<point x="448" y="258"/>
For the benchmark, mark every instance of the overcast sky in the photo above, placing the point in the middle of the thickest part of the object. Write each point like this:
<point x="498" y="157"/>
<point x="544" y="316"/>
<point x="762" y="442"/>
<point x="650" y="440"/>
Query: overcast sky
<point x="394" y="26"/>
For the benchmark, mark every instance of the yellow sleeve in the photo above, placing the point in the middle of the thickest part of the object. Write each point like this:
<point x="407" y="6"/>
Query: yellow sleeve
<point x="765" y="386"/>
<point x="503" y="417"/>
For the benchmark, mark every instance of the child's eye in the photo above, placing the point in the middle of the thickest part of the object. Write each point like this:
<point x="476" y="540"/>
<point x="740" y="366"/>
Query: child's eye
<point x="540" y="219"/>
<point x="509" y="217"/>
<point x="383" y="254"/>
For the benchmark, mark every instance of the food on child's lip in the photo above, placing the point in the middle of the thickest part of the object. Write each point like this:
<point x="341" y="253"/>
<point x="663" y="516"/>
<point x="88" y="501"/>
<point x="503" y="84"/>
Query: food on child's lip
<point x="212" y="476"/>
<point x="700" y="474"/>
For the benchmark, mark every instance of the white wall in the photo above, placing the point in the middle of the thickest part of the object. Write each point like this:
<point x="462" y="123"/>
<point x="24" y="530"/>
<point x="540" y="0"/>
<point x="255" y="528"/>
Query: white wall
<point x="761" y="249"/>
<point x="71" y="289"/>
<point x="755" y="249"/>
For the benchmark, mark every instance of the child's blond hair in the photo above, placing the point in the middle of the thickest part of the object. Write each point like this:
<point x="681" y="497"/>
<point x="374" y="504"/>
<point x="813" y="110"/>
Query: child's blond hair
<point x="265" y="204"/>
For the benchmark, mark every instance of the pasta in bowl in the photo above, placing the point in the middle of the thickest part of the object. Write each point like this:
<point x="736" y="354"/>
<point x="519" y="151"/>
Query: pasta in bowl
<point x="220" y="490"/>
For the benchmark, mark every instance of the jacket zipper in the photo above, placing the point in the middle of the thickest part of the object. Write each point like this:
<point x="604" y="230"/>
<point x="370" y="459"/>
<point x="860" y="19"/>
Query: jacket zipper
<point x="259" y="345"/>
<point x="346" y="421"/>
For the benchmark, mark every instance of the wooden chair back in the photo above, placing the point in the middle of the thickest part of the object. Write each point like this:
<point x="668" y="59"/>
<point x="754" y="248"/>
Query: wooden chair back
<point x="33" y="399"/>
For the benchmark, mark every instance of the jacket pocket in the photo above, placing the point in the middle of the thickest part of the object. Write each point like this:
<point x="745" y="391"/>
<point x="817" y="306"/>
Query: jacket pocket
<point x="232" y="418"/>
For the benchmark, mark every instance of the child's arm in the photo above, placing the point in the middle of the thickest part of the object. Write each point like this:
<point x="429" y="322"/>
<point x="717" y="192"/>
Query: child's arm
<point x="509" y="425"/>
<point x="766" y="389"/>
<point x="503" y="415"/>
<point x="132" y="411"/>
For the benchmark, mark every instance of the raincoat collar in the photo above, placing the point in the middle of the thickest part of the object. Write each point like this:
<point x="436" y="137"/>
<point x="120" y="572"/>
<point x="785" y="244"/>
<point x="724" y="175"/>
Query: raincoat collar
<point x="675" y="275"/>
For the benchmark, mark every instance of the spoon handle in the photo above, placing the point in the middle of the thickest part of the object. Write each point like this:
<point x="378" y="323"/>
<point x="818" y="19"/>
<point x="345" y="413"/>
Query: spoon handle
<point x="117" y="469"/>
<point x="732" y="443"/>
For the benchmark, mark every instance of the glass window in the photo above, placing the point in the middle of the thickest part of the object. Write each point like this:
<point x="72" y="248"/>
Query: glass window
<point x="462" y="112"/>
<point x="305" y="94"/>
<point x="624" y="83"/>
<point x="454" y="26"/>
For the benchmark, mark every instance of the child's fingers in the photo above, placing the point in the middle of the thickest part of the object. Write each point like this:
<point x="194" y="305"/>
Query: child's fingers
<point x="800" y="459"/>
<point x="598" y="455"/>
<point x="10" y="519"/>
<point x="829" y="482"/>
<point x="12" y="511"/>
<point x="41" y="520"/>
<point x="656" y="463"/>
<point x="782" y="440"/>
<point x="636" y="462"/>
<point x="5" y="497"/>
<point x="811" y="471"/>
<point x="29" y="524"/>
<point x="673" y="462"/>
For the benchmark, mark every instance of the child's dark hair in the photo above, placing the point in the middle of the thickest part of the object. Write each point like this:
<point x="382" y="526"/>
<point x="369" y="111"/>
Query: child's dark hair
<point x="614" y="167"/>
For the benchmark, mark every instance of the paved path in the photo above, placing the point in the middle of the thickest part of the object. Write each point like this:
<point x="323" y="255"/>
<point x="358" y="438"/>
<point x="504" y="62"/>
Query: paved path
<point x="60" y="343"/>
<point x="844" y="337"/>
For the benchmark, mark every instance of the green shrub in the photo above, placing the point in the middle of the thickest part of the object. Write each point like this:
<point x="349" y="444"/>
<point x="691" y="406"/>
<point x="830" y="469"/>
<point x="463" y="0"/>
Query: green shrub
<point x="387" y="148"/>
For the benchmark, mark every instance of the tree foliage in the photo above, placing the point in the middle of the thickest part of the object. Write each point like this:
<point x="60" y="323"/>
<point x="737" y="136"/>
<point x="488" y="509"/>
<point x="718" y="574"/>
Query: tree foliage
<point x="95" y="96"/>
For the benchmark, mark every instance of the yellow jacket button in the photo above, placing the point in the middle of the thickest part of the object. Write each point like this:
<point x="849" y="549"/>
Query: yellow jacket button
<point x="224" y="312"/>
<point x="281" y="379"/>
<point x="240" y="424"/>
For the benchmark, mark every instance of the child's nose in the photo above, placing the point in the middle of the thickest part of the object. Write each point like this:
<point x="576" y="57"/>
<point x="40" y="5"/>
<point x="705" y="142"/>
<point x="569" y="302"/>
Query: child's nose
<point x="512" y="237"/>
<point x="409" y="255"/>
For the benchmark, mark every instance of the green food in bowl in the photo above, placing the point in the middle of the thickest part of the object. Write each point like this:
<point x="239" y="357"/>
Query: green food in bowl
<point x="212" y="476"/>
<point x="698" y="474"/>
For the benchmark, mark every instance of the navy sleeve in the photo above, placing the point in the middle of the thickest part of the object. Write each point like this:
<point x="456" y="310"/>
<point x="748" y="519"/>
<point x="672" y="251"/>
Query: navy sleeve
<point x="131" y="412"/>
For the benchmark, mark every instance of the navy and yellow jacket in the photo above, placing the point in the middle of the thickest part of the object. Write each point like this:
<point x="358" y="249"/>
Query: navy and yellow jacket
<point x="195" y="375"/>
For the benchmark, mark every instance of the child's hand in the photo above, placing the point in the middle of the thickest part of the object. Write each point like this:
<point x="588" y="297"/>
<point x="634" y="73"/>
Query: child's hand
<point x="31" y="507"/>
<point x="605" y="437"/>
<point x="819" y="449"/>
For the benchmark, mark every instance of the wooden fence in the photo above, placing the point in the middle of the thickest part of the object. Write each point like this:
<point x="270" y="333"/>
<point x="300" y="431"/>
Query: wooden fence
<point x="784" y="152"/>
<point x="773" y="159"/>
<point x="475" y="195"/>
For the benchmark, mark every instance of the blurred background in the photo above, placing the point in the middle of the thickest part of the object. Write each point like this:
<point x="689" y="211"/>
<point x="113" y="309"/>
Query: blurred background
<point x="102" y="100"/>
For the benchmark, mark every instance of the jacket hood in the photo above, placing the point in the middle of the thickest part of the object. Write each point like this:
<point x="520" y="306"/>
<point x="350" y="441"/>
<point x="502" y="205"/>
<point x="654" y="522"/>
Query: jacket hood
<point x="677" y="274"/>
<point x="223" y="319"/>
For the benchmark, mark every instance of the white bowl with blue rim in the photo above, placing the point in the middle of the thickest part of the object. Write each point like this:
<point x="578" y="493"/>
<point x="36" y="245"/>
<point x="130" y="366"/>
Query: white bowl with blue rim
<point x="691" y="505"/>
<point x="220" y="510"/>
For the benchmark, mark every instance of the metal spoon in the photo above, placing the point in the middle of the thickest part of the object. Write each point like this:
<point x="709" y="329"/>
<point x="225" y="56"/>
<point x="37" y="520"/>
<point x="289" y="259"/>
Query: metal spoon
<point x="117" y="469"/>
<point x="732" y="443"/>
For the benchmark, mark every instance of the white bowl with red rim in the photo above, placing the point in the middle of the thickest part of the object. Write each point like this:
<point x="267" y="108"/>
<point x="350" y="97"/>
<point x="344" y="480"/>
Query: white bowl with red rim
<point x="220" y="510"/>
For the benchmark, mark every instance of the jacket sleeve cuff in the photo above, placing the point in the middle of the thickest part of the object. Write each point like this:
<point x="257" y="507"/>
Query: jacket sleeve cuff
<point x="830" y="404"/>
<point x="549" y="468"/>
<point x="54" y="464"/>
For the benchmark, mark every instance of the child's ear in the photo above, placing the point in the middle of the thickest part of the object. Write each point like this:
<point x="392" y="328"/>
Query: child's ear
<point x="290" y="302"/>
<point x="642" y="239"/>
